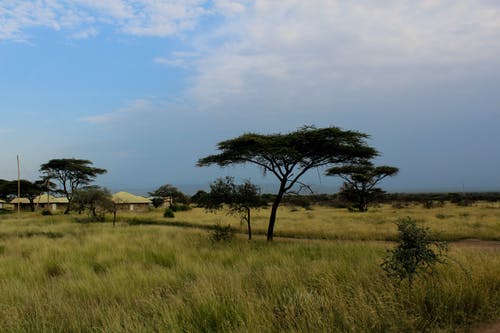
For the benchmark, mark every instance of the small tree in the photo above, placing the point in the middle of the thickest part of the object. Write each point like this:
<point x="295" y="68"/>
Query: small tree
<point x="71" y="174"/>
<point x="415" y="252"/>
<point x="289" y="156"/>
<point x="97" y="201"/>
<point x="360" y="181"/>
<point x="240" y="198"/>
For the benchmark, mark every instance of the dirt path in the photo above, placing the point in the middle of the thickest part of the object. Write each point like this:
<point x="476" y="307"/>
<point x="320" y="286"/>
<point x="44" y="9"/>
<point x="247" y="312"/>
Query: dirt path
<point x="478" y="243"/>
<point x="488" y="328"/>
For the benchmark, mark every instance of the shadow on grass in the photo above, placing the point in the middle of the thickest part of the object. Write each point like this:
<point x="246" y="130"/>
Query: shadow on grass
<point x="29" y="234"/>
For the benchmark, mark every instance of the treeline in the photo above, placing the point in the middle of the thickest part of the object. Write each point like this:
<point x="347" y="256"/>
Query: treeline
<point x="427" y="199"/>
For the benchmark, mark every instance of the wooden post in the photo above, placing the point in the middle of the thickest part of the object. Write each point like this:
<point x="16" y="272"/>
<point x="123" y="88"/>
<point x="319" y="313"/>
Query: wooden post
<point x="18" y="187"/>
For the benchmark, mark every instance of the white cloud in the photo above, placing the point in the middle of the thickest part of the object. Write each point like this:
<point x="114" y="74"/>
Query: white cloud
<point x="313" y="51"/>
<point x="138" y="106"/>
<point x="135" y="17"/>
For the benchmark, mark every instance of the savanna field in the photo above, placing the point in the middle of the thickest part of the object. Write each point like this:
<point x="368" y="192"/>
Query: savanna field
<point x="321" y="274"/>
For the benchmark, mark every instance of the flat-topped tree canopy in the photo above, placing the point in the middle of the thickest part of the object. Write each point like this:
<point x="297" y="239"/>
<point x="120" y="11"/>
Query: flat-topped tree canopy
<point x="71" y="173"/>
<point x="289" y="156"/>
<point x="360" y="181"/>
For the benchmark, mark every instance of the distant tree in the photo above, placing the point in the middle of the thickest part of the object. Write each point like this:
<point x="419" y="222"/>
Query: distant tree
<point x="199" y="197"/>
<point x="71" y="174"/>
<point x="360" y="181"/>
<point x="168" y="190"/>
<point x="96" y="200"/>
<point x="2" y="182"/>
<point x="289" y="156"/>
<point x="240" y="199"/>
<point x="29" y="190"/>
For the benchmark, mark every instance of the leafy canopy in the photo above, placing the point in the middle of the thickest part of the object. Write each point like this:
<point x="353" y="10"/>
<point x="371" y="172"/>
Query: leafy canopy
<point x="71" y="173"/>
<point x="289" y="156"/>
<point x="360" y="181"/>
<point x="171" y="191"/>
<point x="415" y="253"/>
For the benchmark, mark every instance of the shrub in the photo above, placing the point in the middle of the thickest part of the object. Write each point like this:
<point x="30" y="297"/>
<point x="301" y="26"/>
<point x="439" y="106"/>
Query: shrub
<point x="175" y="207"/>
<point x="415" y="252"/>
<point x="46" y="212"/>
<point x="222" y="233"/>
<point x="169" y="213"/>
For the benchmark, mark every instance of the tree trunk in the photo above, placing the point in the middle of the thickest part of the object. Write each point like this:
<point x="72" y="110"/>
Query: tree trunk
<point x="248" y="223"/>
<point x="363" y="205"/>
<point x="274" y="209"/>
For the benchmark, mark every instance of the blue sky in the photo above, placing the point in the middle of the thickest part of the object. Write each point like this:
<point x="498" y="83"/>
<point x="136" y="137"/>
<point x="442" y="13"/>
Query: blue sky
<point x="145" y="88"/>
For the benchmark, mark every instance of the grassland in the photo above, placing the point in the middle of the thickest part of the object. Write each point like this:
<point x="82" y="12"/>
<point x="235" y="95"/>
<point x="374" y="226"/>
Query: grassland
<point x="57" y="275"/>
<point x="450" y="222"/>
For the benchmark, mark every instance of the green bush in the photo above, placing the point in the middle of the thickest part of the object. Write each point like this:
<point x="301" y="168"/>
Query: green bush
<point x="175" y="207"/>
<point x="222" y="233"/>
<point x="169" y="213"/>
<point x="46" y="212"/>
<point x="415" y="252"/>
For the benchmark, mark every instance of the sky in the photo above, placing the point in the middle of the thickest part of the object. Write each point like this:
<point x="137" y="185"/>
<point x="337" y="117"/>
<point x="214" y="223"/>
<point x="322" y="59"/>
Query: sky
<point x="146" y="88"/>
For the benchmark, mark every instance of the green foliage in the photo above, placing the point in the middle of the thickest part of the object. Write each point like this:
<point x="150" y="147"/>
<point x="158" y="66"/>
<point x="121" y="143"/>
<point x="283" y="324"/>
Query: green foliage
<point x="175" y="207"/>
<point x="29" y="190"/>
<point x="240" y="199"/>
<point x="157" y="202"/>
<point x="46" y="212"/>
<point x="170" y="191"/>
<point x="199" y="198"/>
<point x="71" y="173"/>
<point x="415" y="252"/>
<point x="360" y="180"/>
<point x="168" y="213"/>
<point x="96" y="200"/>
<point x="289" y="156"/>
<point x="222" y="233"/>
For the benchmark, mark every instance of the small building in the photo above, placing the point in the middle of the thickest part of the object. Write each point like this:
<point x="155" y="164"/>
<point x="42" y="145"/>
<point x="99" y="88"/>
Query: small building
<point x="2" y="203"/>
<point x="48" y="202"/>
<point x="24" y="203"/>
<point x="129" y="202"/>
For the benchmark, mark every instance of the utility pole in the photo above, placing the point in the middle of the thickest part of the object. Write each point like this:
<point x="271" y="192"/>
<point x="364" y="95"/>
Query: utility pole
<point x="18" y="187"/>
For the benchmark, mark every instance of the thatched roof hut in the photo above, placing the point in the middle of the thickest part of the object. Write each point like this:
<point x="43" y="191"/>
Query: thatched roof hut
<point x="46" y="201"/>
<point x="130" y="202"/>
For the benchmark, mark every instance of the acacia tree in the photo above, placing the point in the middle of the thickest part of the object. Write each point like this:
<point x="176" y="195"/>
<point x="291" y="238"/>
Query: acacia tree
<point x="96" y="200"/>
<point x="240" y="198"/>
<point x="70" y="173"/>
<point x="360" y="181"/>
<point x="171" y="191"/>
<point x="289" y="156"/>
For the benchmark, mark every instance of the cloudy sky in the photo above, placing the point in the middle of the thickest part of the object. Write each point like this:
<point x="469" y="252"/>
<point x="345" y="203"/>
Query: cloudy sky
<point x="144" y="88"/>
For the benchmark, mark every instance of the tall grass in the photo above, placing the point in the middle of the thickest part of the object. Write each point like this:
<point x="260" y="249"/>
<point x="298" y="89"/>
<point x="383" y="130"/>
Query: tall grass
<point x="450" y="222"/>
<point x="146" y="278"/>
